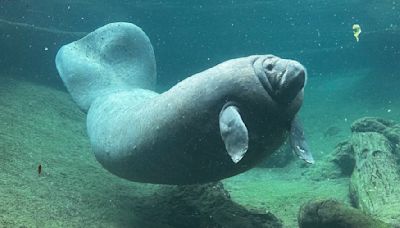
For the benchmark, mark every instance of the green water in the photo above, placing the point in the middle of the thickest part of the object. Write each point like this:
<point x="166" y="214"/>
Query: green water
<point x="40" y="124"/>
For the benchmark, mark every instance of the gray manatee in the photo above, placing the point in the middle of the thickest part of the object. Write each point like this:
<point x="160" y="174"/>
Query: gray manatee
<point x="210" y="126"/>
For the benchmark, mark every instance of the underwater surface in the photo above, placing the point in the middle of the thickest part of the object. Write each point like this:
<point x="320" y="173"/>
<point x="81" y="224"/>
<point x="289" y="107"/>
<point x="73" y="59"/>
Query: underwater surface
<point x="50" y="177"/>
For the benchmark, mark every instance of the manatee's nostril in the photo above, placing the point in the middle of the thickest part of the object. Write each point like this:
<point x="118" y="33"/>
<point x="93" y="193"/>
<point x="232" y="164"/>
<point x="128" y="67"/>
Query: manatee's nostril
<point x="290" y="84"/>
<point x="283" y="79"/>
<point x="302" y="77"/>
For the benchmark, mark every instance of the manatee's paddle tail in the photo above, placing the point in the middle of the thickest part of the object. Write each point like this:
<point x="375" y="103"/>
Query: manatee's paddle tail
<point x="116" y="57"/>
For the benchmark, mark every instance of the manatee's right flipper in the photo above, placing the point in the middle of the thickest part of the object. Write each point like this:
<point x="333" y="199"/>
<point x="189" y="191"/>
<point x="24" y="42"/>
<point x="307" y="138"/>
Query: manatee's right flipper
<point x="233" y="132"/>
<point x="298" y="142"/>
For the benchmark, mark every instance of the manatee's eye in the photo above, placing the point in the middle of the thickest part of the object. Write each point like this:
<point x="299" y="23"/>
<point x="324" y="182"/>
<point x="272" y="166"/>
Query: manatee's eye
<point x="269" y="64"/>
<point x="269" y="67"/>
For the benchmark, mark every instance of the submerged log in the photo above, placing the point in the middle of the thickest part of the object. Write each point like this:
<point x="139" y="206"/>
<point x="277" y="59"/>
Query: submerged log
<point x="332" y="214"/>
<point x="375" y="182"/>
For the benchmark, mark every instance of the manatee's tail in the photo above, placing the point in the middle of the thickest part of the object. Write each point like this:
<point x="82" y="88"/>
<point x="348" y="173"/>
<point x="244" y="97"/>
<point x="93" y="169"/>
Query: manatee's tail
<point x="115" y="57"/>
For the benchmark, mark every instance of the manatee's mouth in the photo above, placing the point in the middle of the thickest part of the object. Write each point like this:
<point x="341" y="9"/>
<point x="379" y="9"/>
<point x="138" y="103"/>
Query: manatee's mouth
<point x="283" y="79"/>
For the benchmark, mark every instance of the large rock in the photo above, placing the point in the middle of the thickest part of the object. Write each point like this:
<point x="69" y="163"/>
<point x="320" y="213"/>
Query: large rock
<point x="207" y="205"/>
<point x="343" y="157"/>
<point x="332" y="214"/>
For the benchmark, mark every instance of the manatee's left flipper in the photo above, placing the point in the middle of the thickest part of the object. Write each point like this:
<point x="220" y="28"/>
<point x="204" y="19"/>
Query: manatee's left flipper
<point x="298" y="142"/>
<point x="233" y="132"/>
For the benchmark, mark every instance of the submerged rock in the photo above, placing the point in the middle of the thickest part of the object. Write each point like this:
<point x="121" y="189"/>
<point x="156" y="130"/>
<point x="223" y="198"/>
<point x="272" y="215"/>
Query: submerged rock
<point x="343" y="157"/>
<point x="389" y="128"/>
<point x="332" y="131"/>
<point x="332" y="214"/>
<point x="207" y="205"/>
<point x="371" y="124"/>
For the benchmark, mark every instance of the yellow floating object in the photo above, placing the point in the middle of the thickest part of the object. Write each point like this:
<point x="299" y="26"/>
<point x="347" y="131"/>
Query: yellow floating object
<point x="356" y="31"/>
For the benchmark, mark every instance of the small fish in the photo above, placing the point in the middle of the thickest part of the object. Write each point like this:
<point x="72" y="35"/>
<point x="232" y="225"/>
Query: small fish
<point x="39" y="169"/>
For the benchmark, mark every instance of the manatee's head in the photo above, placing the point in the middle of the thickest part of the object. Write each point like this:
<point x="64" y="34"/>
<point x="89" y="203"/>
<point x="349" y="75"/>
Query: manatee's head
<point x="283" y="79"/>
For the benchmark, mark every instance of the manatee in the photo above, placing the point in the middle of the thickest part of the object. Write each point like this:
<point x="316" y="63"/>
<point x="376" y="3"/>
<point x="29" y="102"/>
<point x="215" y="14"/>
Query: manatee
<point x="212" y="125"/>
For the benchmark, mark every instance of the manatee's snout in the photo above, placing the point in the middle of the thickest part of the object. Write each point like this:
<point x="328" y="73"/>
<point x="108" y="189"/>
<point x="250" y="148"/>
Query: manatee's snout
<point x="287" y="80"/>
<point x="284" y="79"/>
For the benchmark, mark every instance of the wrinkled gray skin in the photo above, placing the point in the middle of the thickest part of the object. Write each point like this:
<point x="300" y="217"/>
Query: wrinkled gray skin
<point x="212" y="125"/>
